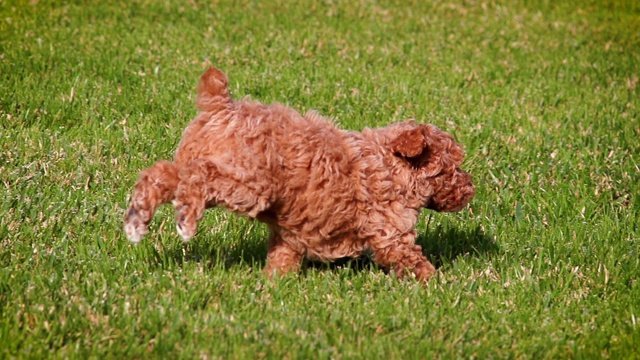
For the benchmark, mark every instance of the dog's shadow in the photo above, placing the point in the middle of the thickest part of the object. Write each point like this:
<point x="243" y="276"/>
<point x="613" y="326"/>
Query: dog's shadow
<point x="444" y="245"/>
<point x="212" y="254"/>
<point x="439" y="244"/>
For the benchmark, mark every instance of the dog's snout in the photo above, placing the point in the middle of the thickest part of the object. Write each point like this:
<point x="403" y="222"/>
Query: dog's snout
<point x="455" y="195"/>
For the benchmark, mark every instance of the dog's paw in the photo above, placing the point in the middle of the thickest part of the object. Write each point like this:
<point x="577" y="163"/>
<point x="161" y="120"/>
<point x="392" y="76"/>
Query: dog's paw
<point x="134" y="227"/>
<point x="186" y="229"/>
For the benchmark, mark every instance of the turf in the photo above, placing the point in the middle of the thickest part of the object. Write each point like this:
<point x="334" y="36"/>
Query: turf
<point x="544" y="96"/>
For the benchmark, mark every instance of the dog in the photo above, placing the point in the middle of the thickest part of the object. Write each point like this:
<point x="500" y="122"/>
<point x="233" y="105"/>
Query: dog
<point x="324" y="192"/>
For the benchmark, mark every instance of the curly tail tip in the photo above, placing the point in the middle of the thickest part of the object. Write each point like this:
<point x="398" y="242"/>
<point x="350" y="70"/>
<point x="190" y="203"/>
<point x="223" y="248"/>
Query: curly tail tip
<point x="213" y="85"/>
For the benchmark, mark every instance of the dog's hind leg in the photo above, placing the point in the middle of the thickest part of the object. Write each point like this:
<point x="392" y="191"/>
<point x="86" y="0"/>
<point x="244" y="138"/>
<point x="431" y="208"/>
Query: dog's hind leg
<point x="156" y="186"/>
<point x="191" y="199"/>
<point x="204" y="184"/>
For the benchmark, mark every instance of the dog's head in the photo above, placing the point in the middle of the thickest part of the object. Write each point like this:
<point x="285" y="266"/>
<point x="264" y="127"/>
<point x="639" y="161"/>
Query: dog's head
<point x="433" y="159"/>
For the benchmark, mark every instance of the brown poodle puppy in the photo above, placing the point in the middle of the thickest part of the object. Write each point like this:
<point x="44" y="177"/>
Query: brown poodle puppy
<point x="326" y="193"/>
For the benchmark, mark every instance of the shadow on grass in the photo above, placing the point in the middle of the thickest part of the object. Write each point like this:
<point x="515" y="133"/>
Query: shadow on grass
<point x="440" y="246"/>
<point x="209" y="252"/>
<point x="443" y="246"/>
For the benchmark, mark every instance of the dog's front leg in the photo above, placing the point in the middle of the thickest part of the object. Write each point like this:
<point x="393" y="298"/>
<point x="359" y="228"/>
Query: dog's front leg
<point x="203" y="184"/>
<point x="402" y="256"/>
<point x="281" y="257"/>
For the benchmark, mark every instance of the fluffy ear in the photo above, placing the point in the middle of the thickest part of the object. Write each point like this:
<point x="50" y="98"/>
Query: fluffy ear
<point x="428" y="148"/>
<point x="410" y="143"/>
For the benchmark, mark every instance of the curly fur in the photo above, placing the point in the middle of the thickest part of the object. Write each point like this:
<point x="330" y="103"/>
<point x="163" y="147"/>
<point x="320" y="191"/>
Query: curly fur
<point x="326" y="193"/>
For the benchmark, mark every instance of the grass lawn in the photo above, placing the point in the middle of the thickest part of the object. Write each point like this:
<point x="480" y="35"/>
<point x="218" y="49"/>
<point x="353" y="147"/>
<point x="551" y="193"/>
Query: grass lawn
<point x="544" y="96"/>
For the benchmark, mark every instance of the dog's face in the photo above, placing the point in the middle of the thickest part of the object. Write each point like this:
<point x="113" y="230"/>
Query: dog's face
<point x="433" y="159"/>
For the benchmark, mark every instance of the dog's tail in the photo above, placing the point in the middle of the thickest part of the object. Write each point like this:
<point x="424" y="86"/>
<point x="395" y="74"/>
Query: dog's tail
<point x="156" y="186"/>
<point x="213" y="94"/>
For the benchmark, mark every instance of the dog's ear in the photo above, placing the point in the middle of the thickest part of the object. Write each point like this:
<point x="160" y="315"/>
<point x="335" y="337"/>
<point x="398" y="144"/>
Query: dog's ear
<point x="410" y="143"/>
<point x="428" y="148"/>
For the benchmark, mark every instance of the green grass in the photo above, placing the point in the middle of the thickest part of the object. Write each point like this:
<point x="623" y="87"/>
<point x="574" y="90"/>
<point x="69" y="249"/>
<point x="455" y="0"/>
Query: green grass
<point x="543" y="95"/>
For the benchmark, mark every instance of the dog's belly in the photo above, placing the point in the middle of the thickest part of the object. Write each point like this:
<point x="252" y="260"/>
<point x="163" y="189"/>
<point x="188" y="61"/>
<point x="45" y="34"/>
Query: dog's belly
<point x="336" y="248"/>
